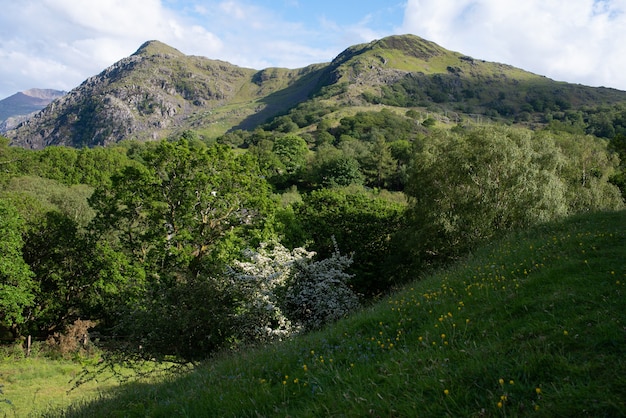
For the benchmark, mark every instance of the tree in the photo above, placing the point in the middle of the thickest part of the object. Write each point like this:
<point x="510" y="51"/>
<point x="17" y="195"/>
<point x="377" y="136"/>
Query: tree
<point x="261" y="281"/>
<point x="77" y="278"/>
<point x="379" y="166"/>
<point x="466" y="187"/>
<point x="179" y="217"/>
<point x="16" y="280"/>
<point x="173" y="211"/>
<point x="292" y="151"/>
<point x="587" y="170"/>
<point x="339" y="171"/>
<point x="318" y="292"/>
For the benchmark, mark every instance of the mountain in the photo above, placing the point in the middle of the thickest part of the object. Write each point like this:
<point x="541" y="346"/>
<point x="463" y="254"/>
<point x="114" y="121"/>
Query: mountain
<point x="158" y="92"/>
<point x="18" y="107"/>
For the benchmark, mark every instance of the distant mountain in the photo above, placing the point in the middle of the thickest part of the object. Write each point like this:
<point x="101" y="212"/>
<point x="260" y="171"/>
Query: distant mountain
<point x="18" y="107"/>
<point x="158" y="92"/>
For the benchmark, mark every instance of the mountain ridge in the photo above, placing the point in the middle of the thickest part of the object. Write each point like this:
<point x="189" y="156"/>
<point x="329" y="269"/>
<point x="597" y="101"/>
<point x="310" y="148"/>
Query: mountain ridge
<point x="158" y="92"/>
<point x="21" y="105"/>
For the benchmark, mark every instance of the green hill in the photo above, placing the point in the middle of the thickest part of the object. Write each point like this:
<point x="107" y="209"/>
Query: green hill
<point x="533" y="324"/>
<point x="158" y="92"/>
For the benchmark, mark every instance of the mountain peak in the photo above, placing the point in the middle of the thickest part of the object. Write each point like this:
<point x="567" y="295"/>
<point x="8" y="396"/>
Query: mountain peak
<point x="44" y="94"/>
<point x="157" y="48"/>
<point x="411" y="45"/>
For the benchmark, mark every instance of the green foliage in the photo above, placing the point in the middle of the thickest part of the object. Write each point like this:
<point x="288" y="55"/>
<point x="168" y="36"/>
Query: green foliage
<point x="339" y="171"/>
<point x="64" y="165"/>
<point x="16" y="279"/>
<point x="361" y="224"/>
<point x="77" y="278"/>
<point x="587" y="169"/>
<point x="175" y="209"/>
<point x="178" y="218"/>
<point x="35" y="196"/>
<point x="292" y="152"/>
<point x="467" y="187"/>
<point x="367" y="126"/>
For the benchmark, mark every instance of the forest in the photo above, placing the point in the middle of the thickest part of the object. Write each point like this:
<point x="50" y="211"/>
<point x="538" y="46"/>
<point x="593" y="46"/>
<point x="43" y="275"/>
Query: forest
<point x="177" y="249"/>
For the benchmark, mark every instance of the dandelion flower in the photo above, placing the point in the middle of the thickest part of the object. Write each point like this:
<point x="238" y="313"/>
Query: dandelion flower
<point x="538" y="391"/>
<point x="446" y="392"/>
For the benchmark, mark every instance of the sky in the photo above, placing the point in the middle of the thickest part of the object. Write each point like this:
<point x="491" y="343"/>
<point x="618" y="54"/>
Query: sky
<point x="58" y="44"/>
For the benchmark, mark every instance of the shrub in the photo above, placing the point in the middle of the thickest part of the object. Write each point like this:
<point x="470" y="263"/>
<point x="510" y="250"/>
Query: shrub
<point x="318" y="292"/>
<point x="283" y="291"/>
<point x="74" y="341"/>
<point x="260" y="282"/>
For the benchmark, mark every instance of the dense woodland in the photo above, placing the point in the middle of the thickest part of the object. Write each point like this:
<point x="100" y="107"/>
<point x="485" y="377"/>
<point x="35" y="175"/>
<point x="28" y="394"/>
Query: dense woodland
<point x="178" y="248"/>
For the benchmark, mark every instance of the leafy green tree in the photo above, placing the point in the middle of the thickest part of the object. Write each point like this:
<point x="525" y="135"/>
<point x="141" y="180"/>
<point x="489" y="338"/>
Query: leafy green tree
<point x="618" y="146"/>
<point x="466" y="187"/>
<point x="379" y="166"/>
<point x="174" y="210"/>
<point x="587" y="169"/>
<point x="401" y="151"/>
<point x="95" y="166"/>
<point x="292" y="151"/>
<point x="77" y="278"/>
<point x="17" y="287"/>
<point x="339" y="171"/>
<point x="179" y="217"/>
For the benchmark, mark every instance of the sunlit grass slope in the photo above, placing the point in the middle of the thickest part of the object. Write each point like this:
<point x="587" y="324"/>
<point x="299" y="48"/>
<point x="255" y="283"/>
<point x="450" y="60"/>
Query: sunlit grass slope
<point x="534" y="325"/>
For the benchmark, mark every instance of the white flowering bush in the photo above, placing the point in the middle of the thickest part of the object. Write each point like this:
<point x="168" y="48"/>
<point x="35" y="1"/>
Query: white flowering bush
<point x="261" y="281"/>
<point x="281" y="291"/>
<point x="318" y="292"/>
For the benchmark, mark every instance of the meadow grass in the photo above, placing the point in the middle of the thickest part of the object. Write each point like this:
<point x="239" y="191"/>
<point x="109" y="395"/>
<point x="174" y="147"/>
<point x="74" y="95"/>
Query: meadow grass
<point x="531" y="325"/>
<point x="34" y="385"/>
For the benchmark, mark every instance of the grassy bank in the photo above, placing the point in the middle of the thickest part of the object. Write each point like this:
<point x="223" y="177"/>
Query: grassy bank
<point x="531" y="325"/>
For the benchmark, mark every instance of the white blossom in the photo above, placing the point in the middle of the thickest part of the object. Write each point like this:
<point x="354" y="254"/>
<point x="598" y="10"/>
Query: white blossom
<point x="285" y="291"/>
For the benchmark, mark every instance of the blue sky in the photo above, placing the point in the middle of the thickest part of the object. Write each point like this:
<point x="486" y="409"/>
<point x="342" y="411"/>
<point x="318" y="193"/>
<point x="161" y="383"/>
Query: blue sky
<point x="59" y="43"/>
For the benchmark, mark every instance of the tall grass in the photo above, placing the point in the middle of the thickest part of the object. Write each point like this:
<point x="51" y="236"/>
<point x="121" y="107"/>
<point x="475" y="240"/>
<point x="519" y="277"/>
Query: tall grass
<point x="534" y="324"/>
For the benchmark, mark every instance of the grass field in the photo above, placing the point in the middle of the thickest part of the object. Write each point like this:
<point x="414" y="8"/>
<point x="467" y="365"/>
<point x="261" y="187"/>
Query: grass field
<point x="34" y="385"/>
<point x="532" y="325"/>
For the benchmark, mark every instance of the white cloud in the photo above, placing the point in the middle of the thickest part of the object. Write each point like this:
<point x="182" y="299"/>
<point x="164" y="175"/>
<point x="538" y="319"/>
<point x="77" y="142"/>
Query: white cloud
<point x="59" y="43"/>
<point x="578" y="41"/>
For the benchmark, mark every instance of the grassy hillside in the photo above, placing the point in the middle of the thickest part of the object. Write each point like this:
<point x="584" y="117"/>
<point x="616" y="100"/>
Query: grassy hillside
<point x="534" y="324"/>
